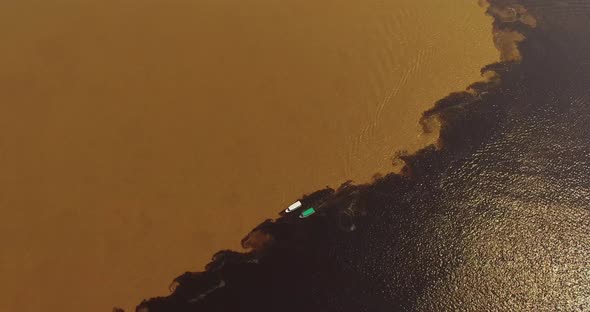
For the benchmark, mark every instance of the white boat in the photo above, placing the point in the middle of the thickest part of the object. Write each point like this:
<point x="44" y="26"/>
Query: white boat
<point x="294" y="206"/>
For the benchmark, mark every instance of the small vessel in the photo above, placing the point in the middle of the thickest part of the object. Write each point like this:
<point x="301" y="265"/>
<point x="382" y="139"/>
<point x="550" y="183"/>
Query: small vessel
<point x="294" y="206"/>
<point x="307" y="212"/>
<point x="314" y="199"/>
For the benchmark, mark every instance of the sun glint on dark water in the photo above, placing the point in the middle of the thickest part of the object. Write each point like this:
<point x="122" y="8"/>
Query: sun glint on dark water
<point x="497" y="218"/>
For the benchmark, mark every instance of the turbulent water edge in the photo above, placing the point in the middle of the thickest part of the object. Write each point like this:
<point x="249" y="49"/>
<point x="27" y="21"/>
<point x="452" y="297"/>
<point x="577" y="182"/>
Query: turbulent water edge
<point x="495" y="217"/>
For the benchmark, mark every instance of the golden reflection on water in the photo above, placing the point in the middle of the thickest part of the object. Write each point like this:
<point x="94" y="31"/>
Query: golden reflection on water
<point x="139" y="137"/>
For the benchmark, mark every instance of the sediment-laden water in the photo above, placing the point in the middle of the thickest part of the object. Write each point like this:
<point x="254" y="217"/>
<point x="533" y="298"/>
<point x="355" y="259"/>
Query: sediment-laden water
<point x="497" y="218"/>
<point x="138" y="137"/>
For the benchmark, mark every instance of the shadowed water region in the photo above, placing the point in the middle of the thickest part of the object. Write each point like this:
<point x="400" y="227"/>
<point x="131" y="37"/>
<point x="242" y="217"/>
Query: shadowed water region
<point x="496" y="217"/>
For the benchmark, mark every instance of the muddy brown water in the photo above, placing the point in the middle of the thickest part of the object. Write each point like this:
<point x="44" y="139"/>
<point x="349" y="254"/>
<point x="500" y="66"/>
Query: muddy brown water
<point x="141" y="133"/>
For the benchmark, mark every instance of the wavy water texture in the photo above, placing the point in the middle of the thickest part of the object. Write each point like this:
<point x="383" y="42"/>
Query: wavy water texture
<point x="493" y="218"/>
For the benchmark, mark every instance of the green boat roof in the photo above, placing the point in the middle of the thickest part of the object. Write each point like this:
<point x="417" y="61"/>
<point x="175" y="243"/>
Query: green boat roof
<point x="308" y="212"/>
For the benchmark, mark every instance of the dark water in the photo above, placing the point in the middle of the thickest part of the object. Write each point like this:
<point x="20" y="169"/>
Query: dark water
<point x="498" y="219"/>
